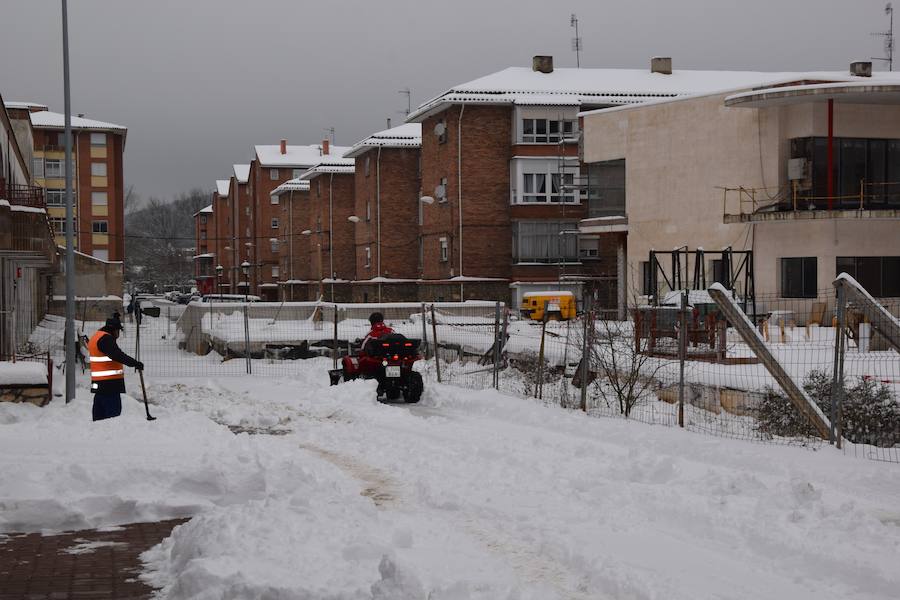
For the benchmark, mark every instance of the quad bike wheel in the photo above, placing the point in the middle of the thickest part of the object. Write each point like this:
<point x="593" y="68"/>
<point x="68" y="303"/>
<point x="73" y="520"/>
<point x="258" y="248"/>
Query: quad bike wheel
<point x="415" y="388"/>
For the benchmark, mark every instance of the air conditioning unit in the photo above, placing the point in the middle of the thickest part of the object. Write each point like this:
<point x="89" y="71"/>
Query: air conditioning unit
<point x="798" y="169"/>
<point x="440" y="130"/>
<point x="440" y="192"/>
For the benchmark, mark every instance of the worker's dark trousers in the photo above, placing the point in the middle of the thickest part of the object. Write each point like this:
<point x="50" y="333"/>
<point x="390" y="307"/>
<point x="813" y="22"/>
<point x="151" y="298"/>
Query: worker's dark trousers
<point x="107" y="405"/>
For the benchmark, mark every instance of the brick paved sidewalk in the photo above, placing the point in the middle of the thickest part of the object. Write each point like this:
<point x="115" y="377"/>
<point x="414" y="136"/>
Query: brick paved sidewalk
<point x="82" y="565"/>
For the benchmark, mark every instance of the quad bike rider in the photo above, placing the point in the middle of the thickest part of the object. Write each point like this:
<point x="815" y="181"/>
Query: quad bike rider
<point x="387" y="357"/>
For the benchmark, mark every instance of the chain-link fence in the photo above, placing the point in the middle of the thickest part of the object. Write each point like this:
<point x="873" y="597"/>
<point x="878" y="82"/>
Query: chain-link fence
<point x="762" y="370"/>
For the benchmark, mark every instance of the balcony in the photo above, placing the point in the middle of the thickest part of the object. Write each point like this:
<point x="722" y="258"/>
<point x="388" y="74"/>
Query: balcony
<point x="874" y="200"/>
<point x="23" y="195"/>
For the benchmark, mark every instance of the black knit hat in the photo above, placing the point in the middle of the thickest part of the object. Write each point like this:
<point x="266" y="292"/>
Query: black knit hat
<point x="113" y="323"/>
<point x="376" y="317"/>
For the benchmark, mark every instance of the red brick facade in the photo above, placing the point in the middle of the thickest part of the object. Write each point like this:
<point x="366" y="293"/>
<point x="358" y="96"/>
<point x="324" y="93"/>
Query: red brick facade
<point x="332" y="243"/>
<point x="387" y="187"/>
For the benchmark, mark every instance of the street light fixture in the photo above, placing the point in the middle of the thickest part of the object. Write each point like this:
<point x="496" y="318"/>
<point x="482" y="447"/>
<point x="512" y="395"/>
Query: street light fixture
<point x="426" y="200"/>
<point x="353" y="219"/>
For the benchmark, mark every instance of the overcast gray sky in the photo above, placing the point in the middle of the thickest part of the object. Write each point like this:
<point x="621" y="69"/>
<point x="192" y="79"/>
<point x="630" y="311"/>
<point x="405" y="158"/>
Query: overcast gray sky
<point x="198" y="82"/>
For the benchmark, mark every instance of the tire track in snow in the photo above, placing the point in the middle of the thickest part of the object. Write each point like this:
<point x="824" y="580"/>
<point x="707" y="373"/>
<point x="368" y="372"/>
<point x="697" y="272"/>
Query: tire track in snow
<point x="379" y="486"/>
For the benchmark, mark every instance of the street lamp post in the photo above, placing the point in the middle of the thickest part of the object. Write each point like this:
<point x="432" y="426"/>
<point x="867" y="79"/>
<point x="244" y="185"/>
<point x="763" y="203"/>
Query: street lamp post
<point x="219" y="271"/>
<point x="245" y="269"/>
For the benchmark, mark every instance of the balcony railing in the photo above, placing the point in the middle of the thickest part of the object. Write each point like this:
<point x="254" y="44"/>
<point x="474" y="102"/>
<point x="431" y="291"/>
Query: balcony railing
<point x="750" y="204"/>
<point x="23" y="195"/>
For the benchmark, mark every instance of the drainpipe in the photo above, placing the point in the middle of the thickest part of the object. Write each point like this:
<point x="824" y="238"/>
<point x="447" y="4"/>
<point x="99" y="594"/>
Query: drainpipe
<point x="290" y="240"/>
<point x="830" y="152"/>
<point x="378" y="217"/>
<point x="331" y="230"/>
<point x="459" y="194"/>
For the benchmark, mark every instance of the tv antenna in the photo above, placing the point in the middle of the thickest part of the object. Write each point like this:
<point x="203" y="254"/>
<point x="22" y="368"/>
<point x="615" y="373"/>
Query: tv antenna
<point x="576" y="41"/>
<point x="888" y="39"/>
<point x="408" y="95"/>
<point x="331" y="131"/>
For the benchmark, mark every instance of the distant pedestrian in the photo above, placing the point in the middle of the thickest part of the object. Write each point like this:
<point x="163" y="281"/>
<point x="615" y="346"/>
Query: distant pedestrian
<point x="108" y="364"/>
<point x="129" y="310"/>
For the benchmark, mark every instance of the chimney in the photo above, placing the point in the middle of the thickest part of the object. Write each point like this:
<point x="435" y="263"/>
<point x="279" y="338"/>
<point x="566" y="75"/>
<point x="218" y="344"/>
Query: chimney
<point x="284" y="146"/>
<point x="861" y="68"/>
<point x="542" y="64"/>
<point x="661" y="64"/>
<point x="325" y="149"/>
<point x="389" y="122"/>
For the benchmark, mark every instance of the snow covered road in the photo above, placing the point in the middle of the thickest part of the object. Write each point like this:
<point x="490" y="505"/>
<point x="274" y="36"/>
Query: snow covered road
<point x="469" y="495"/>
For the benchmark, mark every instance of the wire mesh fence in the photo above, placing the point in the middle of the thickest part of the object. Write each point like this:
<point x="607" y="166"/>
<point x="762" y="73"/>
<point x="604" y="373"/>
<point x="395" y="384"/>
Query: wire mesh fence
<point x="683" y="363"/>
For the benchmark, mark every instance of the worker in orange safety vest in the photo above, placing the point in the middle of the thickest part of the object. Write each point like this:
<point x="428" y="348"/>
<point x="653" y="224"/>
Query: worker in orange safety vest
<point x="108" y="364"/>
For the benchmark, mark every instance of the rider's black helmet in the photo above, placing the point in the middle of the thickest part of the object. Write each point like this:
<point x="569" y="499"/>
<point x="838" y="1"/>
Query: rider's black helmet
<point x="376" y="317"/>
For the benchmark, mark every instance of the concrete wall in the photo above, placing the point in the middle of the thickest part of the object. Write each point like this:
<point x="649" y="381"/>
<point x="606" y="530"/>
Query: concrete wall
<point x="93" y="278"/>
<point x="679" y="153"/>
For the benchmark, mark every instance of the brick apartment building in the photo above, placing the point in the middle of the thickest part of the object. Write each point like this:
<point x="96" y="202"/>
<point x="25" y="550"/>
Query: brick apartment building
<point x="221" y="217"/>
<point x="332" y="248"/>
<point x="295" y="268"/>
<point x="204" y="259"/>
<point x="505" y="190"/>
<point x="272" y="166"/>
<point x="98" y="177"/>
<point x="387" y="235"/>
<point x="240" y="235"/>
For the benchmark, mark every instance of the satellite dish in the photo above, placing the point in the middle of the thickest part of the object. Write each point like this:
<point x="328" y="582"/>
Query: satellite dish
<point x="440" y="129"/>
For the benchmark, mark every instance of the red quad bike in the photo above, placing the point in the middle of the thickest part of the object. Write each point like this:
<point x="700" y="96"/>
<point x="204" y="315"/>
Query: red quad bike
<point x="389" y="359"/>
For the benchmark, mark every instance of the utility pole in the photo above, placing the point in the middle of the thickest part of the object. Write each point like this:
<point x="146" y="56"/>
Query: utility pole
<point x="888" y="38"/>
<point x="576" y="41"/>
<point x="69" y="336"/>
<point x="408" y="95"/>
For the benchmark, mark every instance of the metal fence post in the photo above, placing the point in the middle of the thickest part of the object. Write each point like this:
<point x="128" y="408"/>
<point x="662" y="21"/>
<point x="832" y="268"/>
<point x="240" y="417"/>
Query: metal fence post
<point x="137" y="333"/>
<point x="837" y="378"/>
<point x="247" y="340"/>
<point x="682" y="355"/>
<point x="425" y="346"/>
<point x="334" y="352"/>
<point x="437" y="346"/>
<point x="539" y="388"/>
<point x="585" y="357"/>
<point x="169" y="320"/>
<point x="497" y="346"/>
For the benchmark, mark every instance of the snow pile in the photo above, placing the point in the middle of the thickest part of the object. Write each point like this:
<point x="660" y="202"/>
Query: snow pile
<point x="23" y="373"/>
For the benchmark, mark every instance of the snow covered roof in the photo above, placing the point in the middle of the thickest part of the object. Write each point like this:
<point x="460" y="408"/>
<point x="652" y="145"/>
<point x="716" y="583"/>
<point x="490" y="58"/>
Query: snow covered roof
<point x="45" y="119"/>
<point x="292" y="185"/>
<point x="598" y="87"/>
<point x="25" y="105"/>
<point x="242" y="173"/>
<point x="408" y="135"/>
<point x="207" y="255"/>
<point x="205" y="209"/>
<point x="222" y="186"/>
<point x="330" y="165"/>
<point x="295" y="156"/>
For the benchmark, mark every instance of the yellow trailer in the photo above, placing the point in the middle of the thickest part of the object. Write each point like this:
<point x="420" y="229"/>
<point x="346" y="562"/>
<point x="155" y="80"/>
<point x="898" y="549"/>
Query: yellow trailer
<point x="560" y="305"/>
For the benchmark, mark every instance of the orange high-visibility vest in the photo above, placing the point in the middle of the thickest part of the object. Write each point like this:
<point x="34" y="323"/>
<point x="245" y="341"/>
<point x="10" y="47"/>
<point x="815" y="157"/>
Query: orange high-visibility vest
<point x="103" y="368"/>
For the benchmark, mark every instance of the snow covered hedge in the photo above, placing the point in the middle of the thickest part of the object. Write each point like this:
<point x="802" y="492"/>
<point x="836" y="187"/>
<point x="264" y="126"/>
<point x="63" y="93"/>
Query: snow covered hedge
<point x="871" y="414"/>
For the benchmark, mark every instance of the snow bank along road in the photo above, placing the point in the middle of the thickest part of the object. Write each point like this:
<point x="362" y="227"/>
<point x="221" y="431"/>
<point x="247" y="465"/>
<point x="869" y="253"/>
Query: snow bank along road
<point x="470" y="495"/>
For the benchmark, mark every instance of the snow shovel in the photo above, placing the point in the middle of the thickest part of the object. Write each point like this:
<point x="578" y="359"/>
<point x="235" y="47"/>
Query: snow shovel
<point x="144" y="391"/>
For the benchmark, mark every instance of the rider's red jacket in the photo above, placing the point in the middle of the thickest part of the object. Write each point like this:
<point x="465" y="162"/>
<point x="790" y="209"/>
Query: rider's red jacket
<point x="366" y="362"/>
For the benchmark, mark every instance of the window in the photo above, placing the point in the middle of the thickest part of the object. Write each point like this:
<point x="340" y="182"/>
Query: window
<point x="37" y="166"/>
<point x="54" y="168"/>
<point x="98" y="139"/>
<point x="606" y="188"/>
<point x="203" y="219"/>
<point x="296" y="173"/>
<point x="441" y="190"/>
<point x="366" y="169"/>
<point x="56" y="197"/>
<point x="368" y="209"/>
<point x="880" y="275"/>
<point x="545" y="241"/>
<point x="318" y="189"/>
<point x="59" y="225"/>
<point x="547" y="131"/>
<point x="98" y="169"/>
<point x="99" y="198"/>
<point x="101" y="253"/>
<point x="273" y="244"/>
<point x="275" y="271"/>
<point x="274" y="222"/>
<point x="368" y="255"/>
<point x="445" y="249"/>
<point x="440" y="130"/>
<point x="646" y="278"/>
<point x="203" y="235"/>
<point x="798" y="277"/>
<point x="99" y="227"/>
<point x="274" y="199"/>
<point x="247" y="210"/>
<point x="547" y="187"/>
<point x="273" y="174"/>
